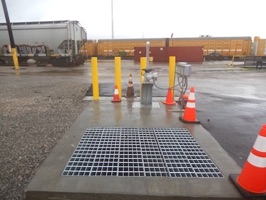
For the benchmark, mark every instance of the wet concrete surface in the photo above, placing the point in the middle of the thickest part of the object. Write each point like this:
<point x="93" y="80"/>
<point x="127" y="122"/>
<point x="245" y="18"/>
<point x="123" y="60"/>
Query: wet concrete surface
<point x="48" y="184"/>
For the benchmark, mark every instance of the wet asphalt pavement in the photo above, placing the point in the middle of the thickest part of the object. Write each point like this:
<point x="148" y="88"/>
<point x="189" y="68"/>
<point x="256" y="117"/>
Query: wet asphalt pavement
<point x="231" y="106"/>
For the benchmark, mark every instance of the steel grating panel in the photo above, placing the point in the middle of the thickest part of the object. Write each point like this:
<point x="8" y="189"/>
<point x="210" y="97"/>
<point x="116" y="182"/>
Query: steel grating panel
<point x="118" y="151"/>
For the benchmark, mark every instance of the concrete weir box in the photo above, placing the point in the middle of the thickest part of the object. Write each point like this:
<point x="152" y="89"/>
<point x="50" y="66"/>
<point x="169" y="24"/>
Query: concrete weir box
<point x="150" y="160"/>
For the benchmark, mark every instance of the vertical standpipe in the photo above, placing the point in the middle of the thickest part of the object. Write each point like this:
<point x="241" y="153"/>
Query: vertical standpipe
<point x="148" y="53"/>
<point x="112" y="18"/>
<point x="145" y="87"/>
<point x="11" y="37"/>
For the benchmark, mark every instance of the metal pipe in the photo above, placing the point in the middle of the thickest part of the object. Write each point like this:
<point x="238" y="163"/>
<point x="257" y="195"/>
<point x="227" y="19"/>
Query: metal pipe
<point x="11" y="37"/>
<point x="147" y="53"/>
<point x="112" y="17"/>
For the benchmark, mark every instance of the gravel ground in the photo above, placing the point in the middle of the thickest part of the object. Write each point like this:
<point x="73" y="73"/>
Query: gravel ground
<point x="36" y="109"/>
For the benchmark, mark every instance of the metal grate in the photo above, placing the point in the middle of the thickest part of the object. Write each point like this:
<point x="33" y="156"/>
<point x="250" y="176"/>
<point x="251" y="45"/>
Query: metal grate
<point x="118" y="151"/>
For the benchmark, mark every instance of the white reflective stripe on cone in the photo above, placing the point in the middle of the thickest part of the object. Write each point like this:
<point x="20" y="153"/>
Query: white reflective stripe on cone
<point x="256" y="160"/>
<point x="260" y="144"/>
<point x="190" y="105"/>
<point x="191" y="96"/>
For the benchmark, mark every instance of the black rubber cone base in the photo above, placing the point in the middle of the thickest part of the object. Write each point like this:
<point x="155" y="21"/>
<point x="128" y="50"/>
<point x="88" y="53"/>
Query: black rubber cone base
<point x="191" y="122"/>
<point x="117" y="101"/>
<point x="245" y="193"/>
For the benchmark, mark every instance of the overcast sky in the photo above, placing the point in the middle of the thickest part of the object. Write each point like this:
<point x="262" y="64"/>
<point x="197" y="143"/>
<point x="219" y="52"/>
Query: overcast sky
<point x="148" y="18"/>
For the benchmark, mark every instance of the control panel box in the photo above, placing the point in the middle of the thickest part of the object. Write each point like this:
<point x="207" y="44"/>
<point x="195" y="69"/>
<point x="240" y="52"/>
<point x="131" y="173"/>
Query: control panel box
<point x="183" y="69"/>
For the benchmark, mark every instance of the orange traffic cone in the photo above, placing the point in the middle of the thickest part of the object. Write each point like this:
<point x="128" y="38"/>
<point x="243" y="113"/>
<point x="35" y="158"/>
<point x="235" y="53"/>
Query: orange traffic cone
<point x="116" y="98"/>
<point x="252" y="180"/>
<point x="189" y="115"/>
<point x="169" y="98"/>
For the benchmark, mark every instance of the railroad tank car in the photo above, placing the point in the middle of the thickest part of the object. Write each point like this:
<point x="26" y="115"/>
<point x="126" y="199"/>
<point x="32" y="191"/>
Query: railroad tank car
<point x="55" y="42"/>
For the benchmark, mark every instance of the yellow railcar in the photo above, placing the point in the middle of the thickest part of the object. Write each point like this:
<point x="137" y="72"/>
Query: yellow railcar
<point x="89" y="48"/>
<point x="259" y="46"/>
<point x="125" y="47"/>
<point x="226" y="46"/>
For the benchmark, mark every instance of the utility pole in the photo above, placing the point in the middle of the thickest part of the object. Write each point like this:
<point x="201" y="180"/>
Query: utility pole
<point x="112" y="17"/>
<point x="11" y="37"/>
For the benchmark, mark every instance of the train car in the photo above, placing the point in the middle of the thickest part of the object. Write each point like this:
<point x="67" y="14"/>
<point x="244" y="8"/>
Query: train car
<point x="89" y="49"/>
<point x="225" y="46"/>
<point x="213" y="47"/>
<point x="259" y="46"/>
<point x="124" y="47"/>
<point x="55" y="42"/>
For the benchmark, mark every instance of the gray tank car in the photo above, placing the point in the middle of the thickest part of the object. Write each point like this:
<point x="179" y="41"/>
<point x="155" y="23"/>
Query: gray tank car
<point x="44" y="42"/>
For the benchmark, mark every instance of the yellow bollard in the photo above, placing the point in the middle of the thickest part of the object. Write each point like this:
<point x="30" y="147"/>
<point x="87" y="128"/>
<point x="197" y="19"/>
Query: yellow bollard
<point x="95" y="82"/>
<point x="118" y="75"/>
<point x="143" y="65"/>
<point x="15" y="58"/>
<point x="172" y="74"/>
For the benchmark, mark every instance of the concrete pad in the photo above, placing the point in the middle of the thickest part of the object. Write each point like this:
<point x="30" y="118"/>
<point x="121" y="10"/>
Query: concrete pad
<point x="49" y="184"/>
